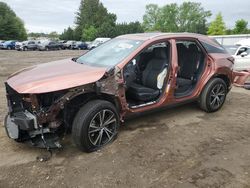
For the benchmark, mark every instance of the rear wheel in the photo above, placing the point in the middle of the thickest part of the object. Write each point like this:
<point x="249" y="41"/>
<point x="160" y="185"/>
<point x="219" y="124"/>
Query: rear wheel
<point x="95" y="125"/>
<point x="213" y="95"/>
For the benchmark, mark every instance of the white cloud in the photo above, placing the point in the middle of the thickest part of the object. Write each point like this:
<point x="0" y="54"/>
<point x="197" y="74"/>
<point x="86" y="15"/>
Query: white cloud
<point x="55" y="15"/>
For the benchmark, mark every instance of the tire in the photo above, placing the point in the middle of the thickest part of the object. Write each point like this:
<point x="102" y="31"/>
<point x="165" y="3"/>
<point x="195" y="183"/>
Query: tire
<point x="9" y="48"/>
<point x="47" y="49"/>
<point x="213" y="95"/>
<point x="88" y="133"/>
<point x="25" y="49"/>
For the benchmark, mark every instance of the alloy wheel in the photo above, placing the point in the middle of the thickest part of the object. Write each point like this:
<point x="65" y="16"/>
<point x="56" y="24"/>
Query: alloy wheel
<point x="102" y="128"/>
<point x="217" y="96"/>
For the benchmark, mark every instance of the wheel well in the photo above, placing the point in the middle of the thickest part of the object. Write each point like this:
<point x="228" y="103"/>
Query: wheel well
<point x="225" y="78"/>
<point x="76" y="103"/>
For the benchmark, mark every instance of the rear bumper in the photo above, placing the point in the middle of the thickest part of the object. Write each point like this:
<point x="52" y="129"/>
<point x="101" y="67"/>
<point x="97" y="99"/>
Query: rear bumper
<point x="242" y="79"/>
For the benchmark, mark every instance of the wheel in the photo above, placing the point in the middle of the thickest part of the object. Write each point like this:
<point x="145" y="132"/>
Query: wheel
<point x="213" y="95"/>
<point x="9" y="48"/>
<point x="95" y="125"/>
<point x="25" y="49"/>
<point x="79" y="48"/>
<point x="47" y="49"/>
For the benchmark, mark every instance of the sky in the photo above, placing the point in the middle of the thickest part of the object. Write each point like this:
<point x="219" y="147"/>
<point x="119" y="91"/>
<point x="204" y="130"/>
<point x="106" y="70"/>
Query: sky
<point x="56" y="15"/>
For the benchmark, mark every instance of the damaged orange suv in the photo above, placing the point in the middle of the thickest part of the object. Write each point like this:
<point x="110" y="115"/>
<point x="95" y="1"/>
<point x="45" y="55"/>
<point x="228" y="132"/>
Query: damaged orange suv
<point x="93" y="94"/>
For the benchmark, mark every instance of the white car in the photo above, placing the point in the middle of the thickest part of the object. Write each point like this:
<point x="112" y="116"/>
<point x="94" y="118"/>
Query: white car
<point x="97" y="42"/>
<point x="241" y="55"/>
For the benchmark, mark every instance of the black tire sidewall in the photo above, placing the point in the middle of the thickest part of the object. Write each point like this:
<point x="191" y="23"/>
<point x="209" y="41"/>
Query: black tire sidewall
<point x="82" y="121"/>
<point x="205" y="98"/>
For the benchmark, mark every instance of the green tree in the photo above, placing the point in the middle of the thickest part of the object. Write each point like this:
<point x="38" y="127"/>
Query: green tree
<point x="187" y="17"/>
<point x="240" y="27"/>
<point x="151" y="17"/>
<point x="89" y="34"/>
<point x="53" y="35"/>
<point x="93" y="13"/>
<point x="68" y="34"/>
<point x="128" y="28"/>
<point x="11" y="26"/>
<point x="217" y="27"/>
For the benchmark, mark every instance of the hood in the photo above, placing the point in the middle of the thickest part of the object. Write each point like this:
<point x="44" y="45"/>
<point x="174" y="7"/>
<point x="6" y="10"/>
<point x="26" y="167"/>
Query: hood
<point x="54" y="76"/>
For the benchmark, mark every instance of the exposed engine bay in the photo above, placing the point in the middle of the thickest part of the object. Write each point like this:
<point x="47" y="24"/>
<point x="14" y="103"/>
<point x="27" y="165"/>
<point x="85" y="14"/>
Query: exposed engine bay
<point x="42" y="119"/>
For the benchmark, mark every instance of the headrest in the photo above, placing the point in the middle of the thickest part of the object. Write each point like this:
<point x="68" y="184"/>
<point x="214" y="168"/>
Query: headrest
<point x="160" y="52"/>
<point x="193" y="48"/>
<point x="181" y="47"/>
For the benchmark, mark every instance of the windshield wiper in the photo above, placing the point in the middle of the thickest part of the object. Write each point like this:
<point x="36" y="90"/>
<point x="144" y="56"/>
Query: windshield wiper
<point x="74" y="59"/>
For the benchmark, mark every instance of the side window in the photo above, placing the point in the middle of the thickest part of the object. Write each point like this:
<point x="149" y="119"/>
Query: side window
<point x="248" y="51"/>
<point x="241" y="50"/>
<point x="212" y="48"/>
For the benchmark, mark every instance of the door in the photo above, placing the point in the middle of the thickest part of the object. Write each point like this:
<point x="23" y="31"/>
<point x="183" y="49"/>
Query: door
<point x="242" y="59"/>
<point x="146" y="77"/>
<point x="52" y="45"/>
<point x="31" y="45"/>
<point x="191" y="63"/>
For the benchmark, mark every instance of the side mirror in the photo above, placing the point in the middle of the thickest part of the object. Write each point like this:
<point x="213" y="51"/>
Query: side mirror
<point x="243" y="54"/>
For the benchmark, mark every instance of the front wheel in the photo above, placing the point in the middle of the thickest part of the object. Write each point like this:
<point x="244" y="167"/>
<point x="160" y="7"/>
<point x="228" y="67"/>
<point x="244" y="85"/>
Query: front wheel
<point x="95" y="125"/>
<point x="213" y="95"/>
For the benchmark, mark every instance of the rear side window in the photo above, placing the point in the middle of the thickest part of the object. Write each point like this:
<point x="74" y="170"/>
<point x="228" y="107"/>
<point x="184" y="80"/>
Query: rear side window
<point x="213" y="49"/>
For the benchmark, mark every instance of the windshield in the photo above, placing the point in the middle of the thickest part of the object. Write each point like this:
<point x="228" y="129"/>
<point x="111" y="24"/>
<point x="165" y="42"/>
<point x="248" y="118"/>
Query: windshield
<point x="231" y="49"/>
<point x="110" y="53"/>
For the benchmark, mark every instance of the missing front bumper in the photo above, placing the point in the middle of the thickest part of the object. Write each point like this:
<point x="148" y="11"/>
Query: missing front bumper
<point x="22" y="126"/>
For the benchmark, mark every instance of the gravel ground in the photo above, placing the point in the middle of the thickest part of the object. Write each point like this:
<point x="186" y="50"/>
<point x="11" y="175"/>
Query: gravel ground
<point x="182" y="147"/>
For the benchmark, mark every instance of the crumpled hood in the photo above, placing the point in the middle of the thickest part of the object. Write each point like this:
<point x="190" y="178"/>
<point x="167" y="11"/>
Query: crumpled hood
<point x="54" y="76"/>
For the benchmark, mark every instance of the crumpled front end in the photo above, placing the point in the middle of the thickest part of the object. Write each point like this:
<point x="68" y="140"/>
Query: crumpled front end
<point x="42" y="118"/>
<point x="23" y="122"/>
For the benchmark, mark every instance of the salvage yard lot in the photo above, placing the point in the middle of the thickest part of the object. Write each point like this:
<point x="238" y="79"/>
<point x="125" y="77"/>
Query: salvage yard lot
<point x="180" y="147"/>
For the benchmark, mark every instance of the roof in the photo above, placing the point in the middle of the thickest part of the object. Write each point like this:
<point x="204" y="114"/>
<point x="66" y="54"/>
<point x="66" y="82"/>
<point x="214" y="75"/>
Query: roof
<point x="158" y="35"/>
<point x="148" y="36"/>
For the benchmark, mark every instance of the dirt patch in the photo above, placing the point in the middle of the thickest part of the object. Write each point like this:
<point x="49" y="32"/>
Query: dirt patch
<point x="180" y="147"/>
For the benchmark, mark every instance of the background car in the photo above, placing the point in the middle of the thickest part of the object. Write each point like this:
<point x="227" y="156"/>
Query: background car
<point x="49" y="45"/>
<point x="79" y="46"/>
<point x="8" y="45"/>
<point x="1" y="44"/>
<point x="62" y="43"/>
<point x="241" y="55"/>
<point x="97" y="42"/>
<point x="26" y="45"/>
<point x="68" y="44"/>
